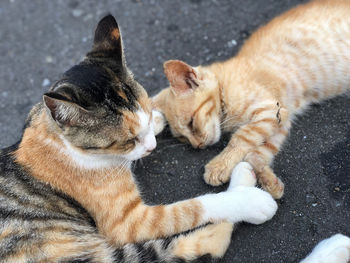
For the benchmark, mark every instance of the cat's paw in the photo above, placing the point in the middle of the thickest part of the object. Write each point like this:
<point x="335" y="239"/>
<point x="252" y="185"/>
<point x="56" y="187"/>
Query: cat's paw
<point x="258" y="205"/>
<point x="271" y="183"/>
<point x="216" y="172"/>
<point x="335" y="249"/>
<point x="159" y="121"/>
<point x="242" y="175"/>
<point x="243" y="203"/>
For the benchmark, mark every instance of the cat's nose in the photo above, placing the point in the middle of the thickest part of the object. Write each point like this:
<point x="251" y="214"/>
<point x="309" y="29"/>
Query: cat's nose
<point x="150" y="142"/>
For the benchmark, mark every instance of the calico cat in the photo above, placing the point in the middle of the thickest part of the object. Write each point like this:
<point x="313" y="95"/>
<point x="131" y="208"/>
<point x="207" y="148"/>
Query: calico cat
<point x="67" y="193"/>
<point x="299" y="58"/>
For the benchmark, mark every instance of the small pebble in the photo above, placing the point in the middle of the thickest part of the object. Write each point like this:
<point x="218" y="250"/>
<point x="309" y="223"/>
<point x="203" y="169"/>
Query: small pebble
<point x="45" y="83"/>
<point x="49" y="59"/>
<point x="77" y="12"/>
<point x="232" y="43"/>
<point x="88" y="17"/>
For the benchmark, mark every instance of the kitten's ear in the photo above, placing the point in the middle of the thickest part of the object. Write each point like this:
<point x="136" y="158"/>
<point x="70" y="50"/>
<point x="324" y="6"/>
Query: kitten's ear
<point x="181" y="76"/>
<point x="108" y="38"/>
<point x="63" y="111"/>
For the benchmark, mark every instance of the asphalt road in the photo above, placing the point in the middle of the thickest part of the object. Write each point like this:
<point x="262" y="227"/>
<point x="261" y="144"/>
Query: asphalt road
<point x="41" y="39"/>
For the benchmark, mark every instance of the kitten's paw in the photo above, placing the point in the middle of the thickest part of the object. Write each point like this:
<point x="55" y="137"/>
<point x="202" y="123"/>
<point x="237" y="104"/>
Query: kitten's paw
<point x="258" y="205"/>
<point x="216" y="172"/>
<point x="256" y="160"/>
<point x="335" y="249"/>
<point x="159" y="121"/>
<point x="243" y="175"/>
<point x="271" y="183"/>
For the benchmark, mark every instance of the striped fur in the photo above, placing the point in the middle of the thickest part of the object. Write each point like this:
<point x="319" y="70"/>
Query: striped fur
<point x="41" y="224"/>
<point x="67" y="193"/>
<point x="299" y="58"/>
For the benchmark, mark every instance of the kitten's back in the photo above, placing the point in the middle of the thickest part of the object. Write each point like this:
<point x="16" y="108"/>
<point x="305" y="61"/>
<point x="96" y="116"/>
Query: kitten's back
<point x="308" y="48"/>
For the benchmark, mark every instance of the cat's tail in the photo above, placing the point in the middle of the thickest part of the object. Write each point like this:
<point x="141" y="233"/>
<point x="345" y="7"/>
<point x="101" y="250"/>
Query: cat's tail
<point x="209" y="241"/>
<point x="85" y="245"/>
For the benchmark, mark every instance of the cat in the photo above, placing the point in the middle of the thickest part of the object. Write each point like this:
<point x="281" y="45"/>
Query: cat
<point x="335" y="249"/>
<point x="67" y="193"/>
<point x="299" y="58"/>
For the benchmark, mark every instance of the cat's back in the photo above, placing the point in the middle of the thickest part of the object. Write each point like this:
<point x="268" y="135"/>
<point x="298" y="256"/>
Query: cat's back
<point x="33" y="216"/>
<point x="307" y="49"/>
<point x="313" y="24"/>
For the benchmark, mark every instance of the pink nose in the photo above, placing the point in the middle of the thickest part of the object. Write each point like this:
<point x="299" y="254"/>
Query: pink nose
<point x="150" y="142"/>
<point x="150" y="149"/>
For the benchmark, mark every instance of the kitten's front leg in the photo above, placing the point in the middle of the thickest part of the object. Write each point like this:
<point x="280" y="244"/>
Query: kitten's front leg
<point x="264" y="124"/>
<point x="262" y="157"/>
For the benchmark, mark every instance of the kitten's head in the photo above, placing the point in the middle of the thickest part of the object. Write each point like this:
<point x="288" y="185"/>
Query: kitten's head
<point x="97" y="107"/>
<point x="191" y="105"/>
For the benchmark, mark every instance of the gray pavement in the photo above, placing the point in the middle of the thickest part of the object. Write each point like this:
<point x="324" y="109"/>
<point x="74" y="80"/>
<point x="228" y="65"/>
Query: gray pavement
<point x="41" y="39"/>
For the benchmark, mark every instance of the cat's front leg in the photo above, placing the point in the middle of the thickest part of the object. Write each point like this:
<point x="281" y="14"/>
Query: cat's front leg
<point x="129" y="220"/>
<point x="264" y="123"/>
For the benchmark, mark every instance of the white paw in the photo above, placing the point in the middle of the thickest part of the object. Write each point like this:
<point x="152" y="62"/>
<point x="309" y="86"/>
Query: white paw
<point x="258" y="205"/>
<point x="335" y="249"/>
<point x="243" y="203"/>
<point x="242" y="175"/>
<point x="159" y="121"/>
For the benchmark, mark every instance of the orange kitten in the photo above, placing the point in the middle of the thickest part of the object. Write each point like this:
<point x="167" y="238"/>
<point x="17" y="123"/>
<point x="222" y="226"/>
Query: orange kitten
<point x="299" y="58"/>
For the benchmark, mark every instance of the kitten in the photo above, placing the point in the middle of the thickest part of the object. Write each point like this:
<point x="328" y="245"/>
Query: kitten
<point x="299" y="58"/>
<point x="67" y="192"/>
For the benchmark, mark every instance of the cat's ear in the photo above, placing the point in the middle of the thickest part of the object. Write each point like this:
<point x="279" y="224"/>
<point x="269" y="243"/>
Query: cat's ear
<point x="108" y="39"/>
<point x="63" y="111"/>
<point x="182" y="77"/>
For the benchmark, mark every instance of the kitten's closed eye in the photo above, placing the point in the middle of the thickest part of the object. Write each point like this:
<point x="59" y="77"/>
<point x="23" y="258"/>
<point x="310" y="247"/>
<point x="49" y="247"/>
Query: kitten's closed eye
<point x="190" y="125"/>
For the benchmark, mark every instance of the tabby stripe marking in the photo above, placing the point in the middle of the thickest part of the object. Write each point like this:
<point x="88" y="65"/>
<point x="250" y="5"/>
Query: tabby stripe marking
<point x="202" y="104"/>
<point x="271" y="147"/>
<point x="243" y="138"/>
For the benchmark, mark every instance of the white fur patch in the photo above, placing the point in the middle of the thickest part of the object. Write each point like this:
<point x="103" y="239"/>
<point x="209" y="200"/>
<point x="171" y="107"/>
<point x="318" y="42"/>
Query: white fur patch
<point x="335" y="249"/>
<point x="242" y="203"/>
<point x="144" y="120"/>
<point x="159" y="121"/>
<point x="146" y="138"/>
<point x="91" y="161"/>
<point x="242" y="175"/>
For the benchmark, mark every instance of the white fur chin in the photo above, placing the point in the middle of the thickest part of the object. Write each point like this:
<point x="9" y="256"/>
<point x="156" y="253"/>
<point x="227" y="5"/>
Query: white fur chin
<point x="91" y="161"/>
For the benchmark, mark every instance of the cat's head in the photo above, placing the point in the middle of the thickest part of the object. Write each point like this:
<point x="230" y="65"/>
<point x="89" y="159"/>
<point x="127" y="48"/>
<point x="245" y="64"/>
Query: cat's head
<point x="97" y="107"/>
<point x="191" y="104"/>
